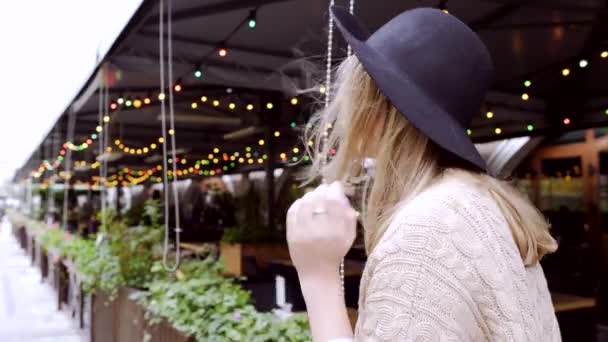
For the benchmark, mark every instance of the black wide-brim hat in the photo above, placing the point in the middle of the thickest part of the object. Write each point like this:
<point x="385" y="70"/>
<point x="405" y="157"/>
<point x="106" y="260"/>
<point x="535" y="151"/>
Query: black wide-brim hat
<point x="432" y="67"/>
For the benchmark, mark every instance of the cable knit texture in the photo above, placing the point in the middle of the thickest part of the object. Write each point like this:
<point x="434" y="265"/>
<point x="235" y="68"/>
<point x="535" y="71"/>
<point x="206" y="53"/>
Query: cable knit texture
<point x="448" y="269"/>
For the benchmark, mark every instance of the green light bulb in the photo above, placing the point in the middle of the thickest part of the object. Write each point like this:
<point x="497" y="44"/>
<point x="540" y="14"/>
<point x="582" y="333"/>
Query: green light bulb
<point x="252" y="23"/>
<point x="198" y="73"/>
<point x="530" y="127"/>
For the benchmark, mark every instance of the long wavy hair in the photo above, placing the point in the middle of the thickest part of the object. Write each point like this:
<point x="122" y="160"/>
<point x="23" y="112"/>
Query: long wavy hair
<point x="360" y="122"/>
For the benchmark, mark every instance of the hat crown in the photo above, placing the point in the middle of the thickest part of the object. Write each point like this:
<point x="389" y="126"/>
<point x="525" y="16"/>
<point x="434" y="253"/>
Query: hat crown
<point x="442" y="55"/>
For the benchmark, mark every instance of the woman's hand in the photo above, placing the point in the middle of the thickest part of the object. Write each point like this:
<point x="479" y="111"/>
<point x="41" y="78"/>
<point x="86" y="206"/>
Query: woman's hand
<point x="321" y="228"/>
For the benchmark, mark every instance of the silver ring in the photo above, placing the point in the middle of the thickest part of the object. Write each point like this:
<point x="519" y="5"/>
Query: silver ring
<point x="319" y="211"/>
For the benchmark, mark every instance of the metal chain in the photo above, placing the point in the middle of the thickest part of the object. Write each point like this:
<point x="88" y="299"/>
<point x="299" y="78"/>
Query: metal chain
<point x="328" y="85"/>
<point x="351" y="10"/>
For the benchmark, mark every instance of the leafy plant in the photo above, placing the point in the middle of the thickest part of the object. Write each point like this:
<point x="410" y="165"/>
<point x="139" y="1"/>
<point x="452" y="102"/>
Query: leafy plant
<point x="200" y="302"/>
<point x="97" y="267"/>
<point x="53" y="239"/>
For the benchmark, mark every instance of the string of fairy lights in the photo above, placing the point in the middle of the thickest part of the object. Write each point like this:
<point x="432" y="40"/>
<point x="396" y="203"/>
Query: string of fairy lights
<point x="566" y="71"/>
<point x="216" y="164"/>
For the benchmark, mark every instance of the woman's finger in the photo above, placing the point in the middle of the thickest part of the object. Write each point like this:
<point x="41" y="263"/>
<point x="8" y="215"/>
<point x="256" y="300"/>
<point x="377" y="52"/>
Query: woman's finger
<point x="335" y="191"/>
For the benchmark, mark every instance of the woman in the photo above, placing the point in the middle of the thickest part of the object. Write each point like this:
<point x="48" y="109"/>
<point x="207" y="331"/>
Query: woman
<point x="453" y="254"/>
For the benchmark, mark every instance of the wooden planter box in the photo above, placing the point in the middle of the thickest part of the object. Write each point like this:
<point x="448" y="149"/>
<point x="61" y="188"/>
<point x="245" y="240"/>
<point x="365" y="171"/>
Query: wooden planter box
<point x="123" y="320"/>
<point x="235" y="255"/>
<point x="31" y="247"/>
<point x="22" y="237"/>
<point x="43" y="262"/>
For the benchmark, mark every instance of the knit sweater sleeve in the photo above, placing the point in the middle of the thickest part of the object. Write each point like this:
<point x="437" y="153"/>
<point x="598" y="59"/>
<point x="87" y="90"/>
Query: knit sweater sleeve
<point x="415" y="288"/>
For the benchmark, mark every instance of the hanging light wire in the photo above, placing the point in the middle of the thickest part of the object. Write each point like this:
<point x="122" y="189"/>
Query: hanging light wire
<point x="164" y="135"/>
<point x="105" y="134"/>
<point x="68" y="166"/>
<point x="101" y="151"/>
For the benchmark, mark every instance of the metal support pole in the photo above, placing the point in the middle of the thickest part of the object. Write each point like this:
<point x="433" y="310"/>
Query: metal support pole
<point x="270" y="117"/>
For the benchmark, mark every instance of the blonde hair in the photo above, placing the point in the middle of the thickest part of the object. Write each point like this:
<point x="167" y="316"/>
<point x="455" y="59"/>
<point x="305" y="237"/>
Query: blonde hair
<point x="361" y="122"/>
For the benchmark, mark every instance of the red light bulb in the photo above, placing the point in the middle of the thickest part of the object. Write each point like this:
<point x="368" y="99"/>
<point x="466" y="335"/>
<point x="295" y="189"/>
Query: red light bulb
<point x="566" y="121"/>
<point x="222" y="52"/>
<point x="177" y="88"/>
<point x="147" y="100"/>
<point x="113" y="106"/>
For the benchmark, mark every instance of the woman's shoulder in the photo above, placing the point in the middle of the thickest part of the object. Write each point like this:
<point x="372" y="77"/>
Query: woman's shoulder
<point x="449" y="209"/>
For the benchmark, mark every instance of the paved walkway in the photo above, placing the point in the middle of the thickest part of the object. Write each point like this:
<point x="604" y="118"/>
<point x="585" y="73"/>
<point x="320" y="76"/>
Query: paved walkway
<point x="27" y="305"/>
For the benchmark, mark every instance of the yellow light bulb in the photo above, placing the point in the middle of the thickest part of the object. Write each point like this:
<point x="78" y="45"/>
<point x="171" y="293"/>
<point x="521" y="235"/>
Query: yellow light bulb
<point x="194" y="105"/>
<point x="98" y="129"/>
<point x="498" y="130"/>
<point x="117" y="142"/>
<point x="566" y="72"/>
<point x="171" y="131"/>
<point x="106" y="119"/>
<point x="322" y="90"/>
<point x="232" y="105"/>
<point x="210" y="156"/>
<point x="250" y="161"/>
<point x="161" y="96"/>
<point x="215" y="161"/>
<point x="296" y="150"/>
<point x="261" y="142"/>
<point x="269" y="105"/>
<point x="249" y="107"/>
<point x="203" y="98"/>
<point x="216" y="150"/>
<point x="138" y="151"/>
<point x="184" y="161"/>
<point x="241" y="160"/>
<point x="604" y="54"/>
<point x="152" y="146"/>
<point x="277" y="134"/>
<point x="283" y="155"/>
<point x="260" y="160"/>
<point x="145" y="149"/>
<point x="525" y="96"/>
<point x="489" y="115"/>
<point x="161" y="140"/>
<point x="294" y="101"/>
<point x="216" y="103"/>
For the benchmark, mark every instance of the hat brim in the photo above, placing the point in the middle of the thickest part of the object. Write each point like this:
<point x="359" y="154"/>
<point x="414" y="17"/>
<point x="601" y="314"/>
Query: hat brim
<point x="418" y="108"/>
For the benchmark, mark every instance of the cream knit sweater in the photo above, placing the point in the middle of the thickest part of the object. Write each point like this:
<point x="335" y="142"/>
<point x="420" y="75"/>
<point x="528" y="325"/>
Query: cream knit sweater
<point x="447" y="269"/>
